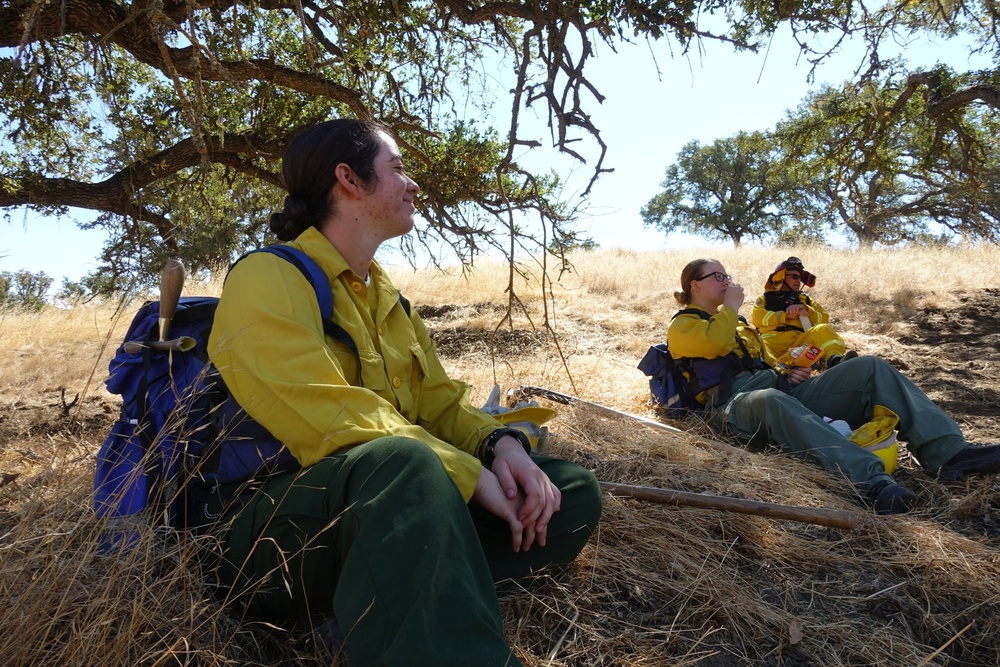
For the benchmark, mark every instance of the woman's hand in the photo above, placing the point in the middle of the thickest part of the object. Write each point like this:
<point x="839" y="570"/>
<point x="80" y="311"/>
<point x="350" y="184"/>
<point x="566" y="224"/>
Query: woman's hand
<point x="527" y="490"/>
<point x="490" y="495"/>
<point x="798" y="374"/>
<point x="734" y="296"/>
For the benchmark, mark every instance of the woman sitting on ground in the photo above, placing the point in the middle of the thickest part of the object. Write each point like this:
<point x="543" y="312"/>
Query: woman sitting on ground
<point x="408" y="503"/>
<point x="788" y="318"/>
<point x="762" y="406"/>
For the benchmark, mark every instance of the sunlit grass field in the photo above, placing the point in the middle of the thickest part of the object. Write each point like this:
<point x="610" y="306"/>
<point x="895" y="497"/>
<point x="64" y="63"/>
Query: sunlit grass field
<point x="658" y="585"/>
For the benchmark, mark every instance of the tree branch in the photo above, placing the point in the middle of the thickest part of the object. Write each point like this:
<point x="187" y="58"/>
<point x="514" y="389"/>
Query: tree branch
<point x="938" y="104"/>
<point x="117" y="194"/>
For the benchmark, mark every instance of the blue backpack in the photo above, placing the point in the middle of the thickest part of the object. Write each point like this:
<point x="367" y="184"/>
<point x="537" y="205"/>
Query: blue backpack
<point x="174" y="409"/>
<point x="671" y="391"/>
<point x="675" y="383"/>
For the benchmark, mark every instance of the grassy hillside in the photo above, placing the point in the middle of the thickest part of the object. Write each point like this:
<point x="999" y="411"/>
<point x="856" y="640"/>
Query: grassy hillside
<point x="659" y="584"/>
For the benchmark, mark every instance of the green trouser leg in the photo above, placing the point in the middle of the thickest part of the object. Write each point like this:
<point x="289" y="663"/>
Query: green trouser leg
<point x="568" y="532"/>
<point x="850" y="391"/>
<point x="380" y="536"/>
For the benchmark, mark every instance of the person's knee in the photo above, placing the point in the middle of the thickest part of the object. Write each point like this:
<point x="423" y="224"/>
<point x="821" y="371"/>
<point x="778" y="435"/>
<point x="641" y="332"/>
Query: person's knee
<point x="400" y="449"/>
<point x="395" y="457"/>
<point x="582" y="502"/>
<point x="871" y="365"/>
<point x="583" y="492"/>
<point x="764" y="397"/>
<point x="761" y="406"/>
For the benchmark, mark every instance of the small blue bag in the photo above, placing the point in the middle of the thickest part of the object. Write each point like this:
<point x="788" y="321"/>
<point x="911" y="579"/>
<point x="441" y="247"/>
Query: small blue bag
<point x="671" y="391"/>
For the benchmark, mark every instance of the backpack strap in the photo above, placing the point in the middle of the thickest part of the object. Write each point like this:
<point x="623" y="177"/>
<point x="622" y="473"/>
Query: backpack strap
<point x="746" y="362"/>
<point x="324" y="294"/>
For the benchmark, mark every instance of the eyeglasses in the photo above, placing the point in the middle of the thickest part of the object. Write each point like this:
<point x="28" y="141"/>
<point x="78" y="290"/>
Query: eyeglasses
<point x="719" y="276"/>
<point x="792" y="276"/>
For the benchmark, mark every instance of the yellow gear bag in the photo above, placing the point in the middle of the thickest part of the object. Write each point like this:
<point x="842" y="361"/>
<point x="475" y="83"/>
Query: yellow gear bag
<point x="879" y="436"/>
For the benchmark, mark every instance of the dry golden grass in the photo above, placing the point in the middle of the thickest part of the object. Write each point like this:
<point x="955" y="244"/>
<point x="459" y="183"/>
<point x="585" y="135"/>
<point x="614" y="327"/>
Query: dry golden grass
<point x="658" y="585"/>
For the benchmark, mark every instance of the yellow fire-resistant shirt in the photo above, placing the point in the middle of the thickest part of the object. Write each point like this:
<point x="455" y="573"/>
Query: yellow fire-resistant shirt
<point x="691" y="336"/>
<point x="268" y="344"/>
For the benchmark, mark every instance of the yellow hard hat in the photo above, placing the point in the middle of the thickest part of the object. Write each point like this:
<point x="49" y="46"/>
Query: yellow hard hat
<point x="529" y="420"/>
<point x="879" y="436"/>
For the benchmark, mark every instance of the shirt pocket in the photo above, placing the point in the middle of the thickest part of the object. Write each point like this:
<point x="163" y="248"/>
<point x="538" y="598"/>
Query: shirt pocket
<point x="372" y="371"/>
<point x="418" y="373"/>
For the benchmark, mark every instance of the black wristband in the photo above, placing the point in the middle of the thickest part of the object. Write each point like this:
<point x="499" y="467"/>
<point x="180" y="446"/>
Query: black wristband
<point x="487" y="450"/>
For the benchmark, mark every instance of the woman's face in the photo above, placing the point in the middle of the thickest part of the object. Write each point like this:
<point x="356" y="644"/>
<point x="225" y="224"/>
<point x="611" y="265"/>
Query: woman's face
<point x="709" y="286"/>
<point x="389" y="207"/>
<point x="793" y="279"/>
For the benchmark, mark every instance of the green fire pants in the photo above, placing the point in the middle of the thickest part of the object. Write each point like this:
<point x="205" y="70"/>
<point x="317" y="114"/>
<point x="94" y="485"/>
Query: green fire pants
<point x="761" y="414"/>
<point x="380" y="537"/>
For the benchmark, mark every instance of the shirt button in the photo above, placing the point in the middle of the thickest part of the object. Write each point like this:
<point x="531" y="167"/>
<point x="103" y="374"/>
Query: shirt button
<point x="356" y="286"/>
<point x="396" y="382"/>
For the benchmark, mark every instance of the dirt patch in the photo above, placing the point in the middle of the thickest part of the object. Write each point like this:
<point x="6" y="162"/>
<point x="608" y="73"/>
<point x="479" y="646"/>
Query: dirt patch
<point x="954" y="356"/>
<point x="457" y="341"/>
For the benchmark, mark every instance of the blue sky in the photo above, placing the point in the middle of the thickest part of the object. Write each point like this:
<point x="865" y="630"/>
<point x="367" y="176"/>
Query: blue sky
<point x="644" y="121"/>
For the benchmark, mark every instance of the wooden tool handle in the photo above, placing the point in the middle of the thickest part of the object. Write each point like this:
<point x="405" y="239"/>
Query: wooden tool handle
<point x="817" y="515"/>
<point x="171" y="284"/>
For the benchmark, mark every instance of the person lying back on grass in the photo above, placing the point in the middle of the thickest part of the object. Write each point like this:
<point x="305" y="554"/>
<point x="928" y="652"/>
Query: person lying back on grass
<point x="762" y="406"/>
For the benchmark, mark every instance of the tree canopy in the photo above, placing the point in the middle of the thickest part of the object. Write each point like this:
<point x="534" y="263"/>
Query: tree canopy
<point x="730" y="189"/>
<point x="869" y="160"/>
<point x="881" y="166"/>
<point x="169" y="118"/>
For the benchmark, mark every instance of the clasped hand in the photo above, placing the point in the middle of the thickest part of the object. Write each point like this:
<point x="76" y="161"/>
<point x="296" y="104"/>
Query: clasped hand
<point x="519" y="492"/>
<point x="796" y="311"/>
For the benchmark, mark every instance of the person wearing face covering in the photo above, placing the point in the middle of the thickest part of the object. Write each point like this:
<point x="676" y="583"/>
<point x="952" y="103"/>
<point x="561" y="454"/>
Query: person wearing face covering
<point x="788" y="318"/>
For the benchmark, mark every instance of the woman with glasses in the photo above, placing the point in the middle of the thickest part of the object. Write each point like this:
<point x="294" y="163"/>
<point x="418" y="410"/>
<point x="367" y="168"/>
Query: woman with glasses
<point x="788" y="319"/>
<point x="757" y="404"/>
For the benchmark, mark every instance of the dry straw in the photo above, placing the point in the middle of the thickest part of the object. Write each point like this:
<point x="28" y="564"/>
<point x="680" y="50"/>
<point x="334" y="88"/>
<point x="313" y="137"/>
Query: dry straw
<point x="658" y="584"/>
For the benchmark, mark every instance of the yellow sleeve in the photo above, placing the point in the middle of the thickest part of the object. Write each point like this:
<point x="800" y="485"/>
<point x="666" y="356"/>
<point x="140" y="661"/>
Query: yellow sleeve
<point x="444" y="407"/>
<point x="692" y="336"/>
<point x="268" y="345"/>
<point x="755" y="346"/>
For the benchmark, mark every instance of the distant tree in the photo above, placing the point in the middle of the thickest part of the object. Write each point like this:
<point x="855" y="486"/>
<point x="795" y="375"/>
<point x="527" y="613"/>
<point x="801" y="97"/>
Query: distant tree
<point x="71" y="291"/>
<point x="24" y="289"/>
<point x="731" y="189"/>
<point x="878" y="164"/>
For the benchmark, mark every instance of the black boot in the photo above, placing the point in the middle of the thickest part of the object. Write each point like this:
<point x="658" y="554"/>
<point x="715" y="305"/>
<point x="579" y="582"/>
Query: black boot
<point x="837" y="358"/>
<point x="891" y="498"/>
<point x="973" y="460"/>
